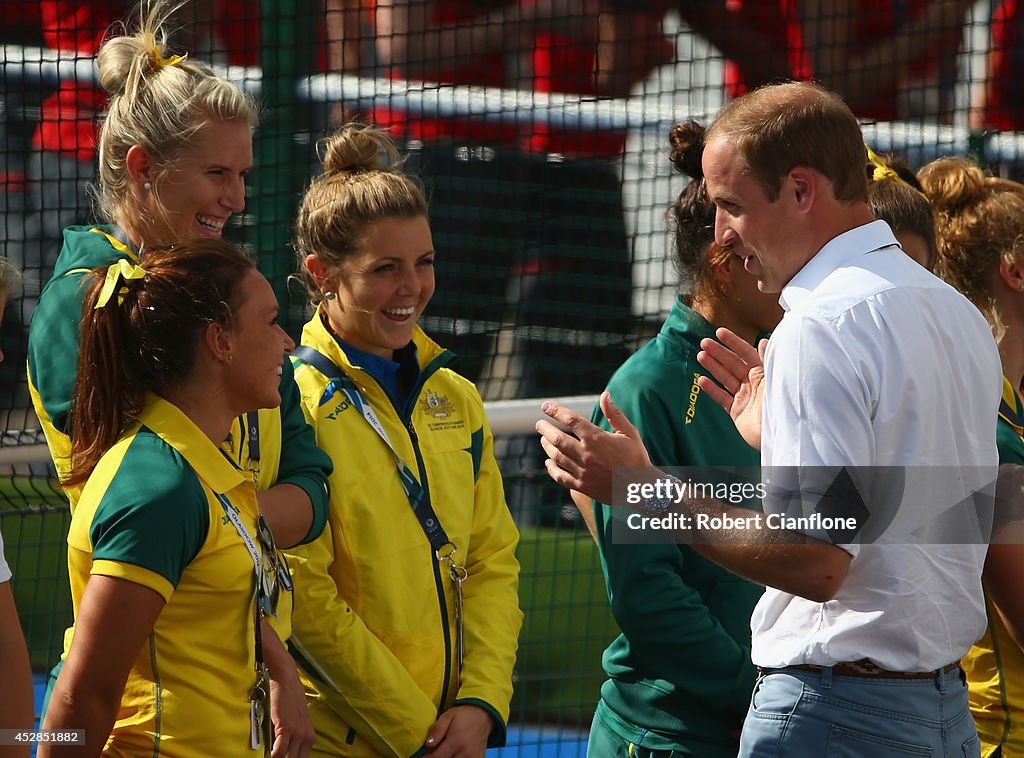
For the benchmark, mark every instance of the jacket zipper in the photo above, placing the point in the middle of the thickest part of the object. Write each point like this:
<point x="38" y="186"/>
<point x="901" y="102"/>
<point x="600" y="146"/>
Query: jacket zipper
<point x="406" y="417"/>
<point x="438" y="579"/>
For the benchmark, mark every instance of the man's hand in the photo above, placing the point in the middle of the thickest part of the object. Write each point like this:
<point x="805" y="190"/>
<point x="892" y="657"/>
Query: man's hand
<point x="461" y="732"/>
<point x="584" y="462"/>
<point x="739" y="369"/>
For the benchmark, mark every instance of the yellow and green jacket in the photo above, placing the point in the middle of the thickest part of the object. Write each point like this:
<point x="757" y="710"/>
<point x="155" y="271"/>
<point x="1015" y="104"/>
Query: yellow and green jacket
<point x="288" y="452"/>
<point x="995" y="665"/>
<point x="374" y="620"/>
<point x="151" y="514"/>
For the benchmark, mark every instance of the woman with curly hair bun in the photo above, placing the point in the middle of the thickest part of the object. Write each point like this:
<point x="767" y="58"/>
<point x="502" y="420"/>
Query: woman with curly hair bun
<point x="980" y="234"/>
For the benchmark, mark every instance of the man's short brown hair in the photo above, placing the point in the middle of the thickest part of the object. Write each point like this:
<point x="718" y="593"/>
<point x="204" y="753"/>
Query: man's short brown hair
<point x="781" y="126"/>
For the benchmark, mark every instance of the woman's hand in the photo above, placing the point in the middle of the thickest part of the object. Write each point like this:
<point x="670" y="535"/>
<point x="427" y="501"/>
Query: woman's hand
<point x="461" y="732"/>
<point x="293" y="729"/>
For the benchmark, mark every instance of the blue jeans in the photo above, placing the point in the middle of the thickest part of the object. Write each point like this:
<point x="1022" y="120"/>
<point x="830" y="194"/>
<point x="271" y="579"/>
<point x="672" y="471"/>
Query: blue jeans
<point x="795" y="713"/>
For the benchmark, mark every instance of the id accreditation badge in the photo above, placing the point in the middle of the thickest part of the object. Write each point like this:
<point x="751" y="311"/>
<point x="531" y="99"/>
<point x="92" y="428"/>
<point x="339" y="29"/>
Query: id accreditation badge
<point x="274" y="571"/>
<point x="259" y="713"/>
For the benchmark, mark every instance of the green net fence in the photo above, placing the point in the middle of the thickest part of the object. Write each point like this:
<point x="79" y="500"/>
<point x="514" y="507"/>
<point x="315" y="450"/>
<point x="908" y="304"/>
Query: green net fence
<point x="540" y="133"/>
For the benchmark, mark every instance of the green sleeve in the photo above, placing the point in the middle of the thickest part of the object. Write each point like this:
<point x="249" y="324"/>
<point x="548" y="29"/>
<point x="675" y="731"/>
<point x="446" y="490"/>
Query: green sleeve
<point x="670" y="628"/>
<point x="303" y="463"/>
<point x="53" y="344"/>
<point x="155" y="513"/>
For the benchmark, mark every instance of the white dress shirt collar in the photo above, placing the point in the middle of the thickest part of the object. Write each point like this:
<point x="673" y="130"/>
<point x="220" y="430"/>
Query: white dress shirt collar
<point x="838" y="251"/>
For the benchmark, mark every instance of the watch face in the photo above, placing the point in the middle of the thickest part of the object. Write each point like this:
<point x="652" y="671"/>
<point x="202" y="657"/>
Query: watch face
<point x="657" y="505"/>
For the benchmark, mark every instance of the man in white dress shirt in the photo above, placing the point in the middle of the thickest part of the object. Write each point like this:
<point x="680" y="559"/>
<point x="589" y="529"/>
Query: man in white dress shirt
<point x="881" y="385"/>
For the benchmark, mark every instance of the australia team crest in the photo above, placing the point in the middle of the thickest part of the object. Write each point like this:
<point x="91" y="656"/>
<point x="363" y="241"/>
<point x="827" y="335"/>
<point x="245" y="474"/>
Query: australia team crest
<point x="438" y="406"/>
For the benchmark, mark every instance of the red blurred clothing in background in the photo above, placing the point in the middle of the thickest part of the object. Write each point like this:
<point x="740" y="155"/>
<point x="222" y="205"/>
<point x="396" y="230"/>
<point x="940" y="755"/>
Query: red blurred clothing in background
<point x="68" y="119"/>
<point x="889" y="59"/>
<point x="551" y="55"/>
<point x="1001" y="106"/>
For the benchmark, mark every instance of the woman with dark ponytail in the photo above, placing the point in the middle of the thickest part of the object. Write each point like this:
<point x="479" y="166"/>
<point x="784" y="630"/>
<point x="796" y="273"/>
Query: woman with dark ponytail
<point x="171" y="565"/>
<point x="679" y="675"/>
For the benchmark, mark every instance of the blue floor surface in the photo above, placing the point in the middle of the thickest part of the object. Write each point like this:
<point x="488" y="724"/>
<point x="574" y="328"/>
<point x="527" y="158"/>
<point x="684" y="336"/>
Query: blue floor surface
<point x="534" y="742"/>
<point x="523" y="741"/>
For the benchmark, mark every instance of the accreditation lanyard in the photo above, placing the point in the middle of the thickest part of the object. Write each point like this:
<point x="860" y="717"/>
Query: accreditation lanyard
<point x="444" y="549"/>
<point x="259" y="694"/>
<point x="252" y="433"/>
<point x="122" y="236"/>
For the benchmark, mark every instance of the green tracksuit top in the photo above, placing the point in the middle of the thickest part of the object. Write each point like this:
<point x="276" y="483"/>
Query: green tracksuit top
<point x="680" y="674"/>
<point x="289" y="454"/>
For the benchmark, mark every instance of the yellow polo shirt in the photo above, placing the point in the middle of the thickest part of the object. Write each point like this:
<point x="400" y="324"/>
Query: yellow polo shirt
<point x="995" y="665"/>
<point x="150" y="514"/>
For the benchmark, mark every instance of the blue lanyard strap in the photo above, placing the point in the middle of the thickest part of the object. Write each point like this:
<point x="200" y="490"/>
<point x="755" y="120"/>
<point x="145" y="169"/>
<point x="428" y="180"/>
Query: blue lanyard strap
<point x="418" y="499"/>
<point x="444" y="549"/>
<point x="122" y="236"/>
<point x="253" y="420"/>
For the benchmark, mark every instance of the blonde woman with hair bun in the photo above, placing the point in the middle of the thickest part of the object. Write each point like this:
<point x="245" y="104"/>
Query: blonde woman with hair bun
<point x="175" y="148"/>
<point x="406" y="609"/>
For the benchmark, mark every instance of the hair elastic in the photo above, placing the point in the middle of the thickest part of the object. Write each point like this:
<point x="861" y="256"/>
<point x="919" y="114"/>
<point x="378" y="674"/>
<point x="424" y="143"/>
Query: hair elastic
<point x="115" y="272"/>
<point x="161" y="62"/>
<point x="883" y="172"/>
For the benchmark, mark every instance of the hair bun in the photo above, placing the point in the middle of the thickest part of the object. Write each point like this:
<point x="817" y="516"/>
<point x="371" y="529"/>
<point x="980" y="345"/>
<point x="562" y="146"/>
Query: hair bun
<point x="126" y="60"/>
<point x="687" y="140"/>
<point x="953" y="184"/>
<point x="116" y="59"/>
<point x="357" y="148"/>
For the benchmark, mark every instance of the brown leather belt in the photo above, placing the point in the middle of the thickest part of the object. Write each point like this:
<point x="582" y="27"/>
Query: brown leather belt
<point x="864" y="669"/>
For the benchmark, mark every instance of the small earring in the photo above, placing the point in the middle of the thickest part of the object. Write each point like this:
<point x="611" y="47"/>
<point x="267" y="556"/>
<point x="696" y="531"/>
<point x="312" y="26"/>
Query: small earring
<point x="231" y="357"/>
<point x="330" y="295"/>
<point x="147" y="186"/>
